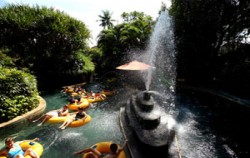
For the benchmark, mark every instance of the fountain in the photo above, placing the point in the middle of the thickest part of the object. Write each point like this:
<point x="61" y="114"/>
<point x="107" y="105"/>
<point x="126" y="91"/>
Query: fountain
<point x="147" y="119"/>
<point x="144" y="119"/>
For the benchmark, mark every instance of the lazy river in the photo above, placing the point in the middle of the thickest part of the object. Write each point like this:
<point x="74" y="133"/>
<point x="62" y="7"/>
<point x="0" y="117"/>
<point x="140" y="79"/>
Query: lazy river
<point x="104" y="126"/>
<point x="207" y="127"/>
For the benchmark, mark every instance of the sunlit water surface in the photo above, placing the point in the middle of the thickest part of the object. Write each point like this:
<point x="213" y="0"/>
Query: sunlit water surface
<point x="104" y="126"/>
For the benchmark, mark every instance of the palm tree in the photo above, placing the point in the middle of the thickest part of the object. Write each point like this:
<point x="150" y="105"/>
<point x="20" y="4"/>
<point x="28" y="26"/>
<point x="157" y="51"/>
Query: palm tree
<point x="106" y="20"/>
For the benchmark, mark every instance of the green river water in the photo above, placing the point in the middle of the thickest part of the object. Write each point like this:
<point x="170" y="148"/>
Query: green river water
<point x="104" y="126"/>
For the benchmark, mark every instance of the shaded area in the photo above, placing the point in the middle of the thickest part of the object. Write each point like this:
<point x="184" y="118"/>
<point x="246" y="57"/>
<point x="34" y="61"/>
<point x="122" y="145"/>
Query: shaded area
<point x="223" y="122"/>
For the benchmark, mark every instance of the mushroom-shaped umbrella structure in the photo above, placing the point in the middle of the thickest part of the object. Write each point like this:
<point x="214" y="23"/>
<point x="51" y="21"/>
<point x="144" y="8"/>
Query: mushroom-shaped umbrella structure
<point x="134" y="65"/>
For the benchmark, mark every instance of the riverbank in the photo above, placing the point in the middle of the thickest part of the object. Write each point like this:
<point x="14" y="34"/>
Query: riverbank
<point x="27" y="116"/>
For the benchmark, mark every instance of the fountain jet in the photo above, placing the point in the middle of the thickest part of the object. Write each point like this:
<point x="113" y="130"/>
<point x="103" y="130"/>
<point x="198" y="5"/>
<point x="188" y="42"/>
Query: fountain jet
<point x="144" y="117"/>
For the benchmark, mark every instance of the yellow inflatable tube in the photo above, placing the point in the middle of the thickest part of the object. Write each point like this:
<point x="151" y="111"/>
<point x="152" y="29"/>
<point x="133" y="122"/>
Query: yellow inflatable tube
<point x="68" y="90"/>
<point x="96" y="99"/>
<point x="80" y="122"/>
<point x="84" y="104"/>
<point x="58" y="119"/>
<point x="104" y="148"/>
<point x="76" y="123"/>
<point x="37" y="147"/>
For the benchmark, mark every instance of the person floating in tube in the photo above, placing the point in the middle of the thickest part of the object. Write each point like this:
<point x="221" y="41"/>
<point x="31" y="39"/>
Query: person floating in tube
<point x="80" y="114"/>
<point x="13" y="149"/>
<point x="94" y="153"/>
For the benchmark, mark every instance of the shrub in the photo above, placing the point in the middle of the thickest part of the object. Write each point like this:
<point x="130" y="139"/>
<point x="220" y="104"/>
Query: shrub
<point x="5" y="60"/>
<point x="18" y="93"/>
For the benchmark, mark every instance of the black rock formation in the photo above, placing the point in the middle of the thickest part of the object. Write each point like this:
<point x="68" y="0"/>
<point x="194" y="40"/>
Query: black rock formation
<point x="148" y="120"/>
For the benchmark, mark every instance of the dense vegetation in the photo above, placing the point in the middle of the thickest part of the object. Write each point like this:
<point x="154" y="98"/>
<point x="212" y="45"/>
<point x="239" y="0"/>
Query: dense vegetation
<point x="40" y="41"/>
<point x="45" y="41"/>
<point x="53" y="46"/>
<point x="211" y="43"/>
<point x="120" y="41"/>
<point x="18" y="93"/>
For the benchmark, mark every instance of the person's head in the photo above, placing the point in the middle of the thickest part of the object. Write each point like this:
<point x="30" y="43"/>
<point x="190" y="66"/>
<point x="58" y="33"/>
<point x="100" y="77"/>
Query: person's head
<point x="113" y="147"/>
<point x="9" y="142"/>
<point x="65" y="107"/>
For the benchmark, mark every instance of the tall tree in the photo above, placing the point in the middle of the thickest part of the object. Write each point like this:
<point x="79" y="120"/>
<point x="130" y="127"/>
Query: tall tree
<point x="44" y="40"/>
<point x="117" y="42"/>
<point x="137" y="29"/>
<point x="206" y="32"/>
<point x="106" y="19"/>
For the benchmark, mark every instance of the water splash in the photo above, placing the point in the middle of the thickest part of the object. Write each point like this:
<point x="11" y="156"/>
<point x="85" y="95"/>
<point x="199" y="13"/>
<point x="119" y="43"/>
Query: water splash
<point x="161" y="55"/>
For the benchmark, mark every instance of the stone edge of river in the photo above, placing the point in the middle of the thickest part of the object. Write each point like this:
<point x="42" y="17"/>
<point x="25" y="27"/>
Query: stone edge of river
<point x="27" y="116"/>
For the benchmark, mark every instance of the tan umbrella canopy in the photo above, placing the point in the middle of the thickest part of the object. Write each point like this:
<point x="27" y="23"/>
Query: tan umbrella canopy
<point x="134" y="65"/>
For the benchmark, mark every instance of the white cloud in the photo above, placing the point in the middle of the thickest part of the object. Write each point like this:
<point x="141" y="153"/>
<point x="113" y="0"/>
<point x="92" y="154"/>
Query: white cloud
<point x="88" y="10"/>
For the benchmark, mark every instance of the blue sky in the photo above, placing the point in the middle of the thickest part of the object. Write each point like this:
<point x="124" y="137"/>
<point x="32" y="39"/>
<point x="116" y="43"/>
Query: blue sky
<point x="88" y="10"/>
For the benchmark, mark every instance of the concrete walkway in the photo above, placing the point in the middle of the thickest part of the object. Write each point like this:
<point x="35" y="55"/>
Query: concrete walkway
<point x="27" y="116"/>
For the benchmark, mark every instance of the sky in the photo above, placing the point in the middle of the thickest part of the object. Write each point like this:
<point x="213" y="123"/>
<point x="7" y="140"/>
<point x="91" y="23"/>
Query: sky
<point x="87" y="11"/>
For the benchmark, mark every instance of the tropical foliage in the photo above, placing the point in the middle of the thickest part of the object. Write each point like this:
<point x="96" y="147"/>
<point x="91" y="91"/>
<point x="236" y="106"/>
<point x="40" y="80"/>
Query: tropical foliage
<point x="106" y="19"/>
<point x="211" y="37"/>
<point x="5" y="60"/>
<point x="44" y="40"/>
<point x="18" y="93"/>
<point x="117" y="42"/>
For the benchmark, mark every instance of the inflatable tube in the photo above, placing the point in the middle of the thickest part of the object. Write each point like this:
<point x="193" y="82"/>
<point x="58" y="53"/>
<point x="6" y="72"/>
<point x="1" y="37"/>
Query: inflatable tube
<point x="80" y="122"/>
<point x="57" y="119"/>
<point x="103" y="147"/>
<point x="76" y="123"/>
<point x="37" y="147"/>
<point x="96" y="99"/>
<point x="84" y="104"/>
<point x="68" y="90"/>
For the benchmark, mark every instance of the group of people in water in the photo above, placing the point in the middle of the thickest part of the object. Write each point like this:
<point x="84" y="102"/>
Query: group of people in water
<point x="82" y="93"/>
<point x="94" y="153"/>
<point x="64" y="111"/>
<point x="13" y="150"/>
